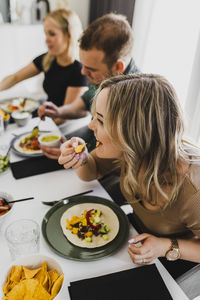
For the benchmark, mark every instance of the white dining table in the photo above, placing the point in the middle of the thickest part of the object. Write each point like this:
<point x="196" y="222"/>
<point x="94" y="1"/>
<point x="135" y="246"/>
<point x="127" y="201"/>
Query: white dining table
<point x="56" y="185"/>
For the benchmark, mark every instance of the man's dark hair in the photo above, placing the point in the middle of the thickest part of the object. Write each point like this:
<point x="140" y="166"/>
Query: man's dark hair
<point x="110" y="33"/>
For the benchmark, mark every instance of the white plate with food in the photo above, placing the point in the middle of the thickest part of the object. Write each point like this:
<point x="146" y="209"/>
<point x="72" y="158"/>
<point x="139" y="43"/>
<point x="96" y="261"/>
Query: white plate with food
<point x="18" y="104"/>
<point x="27" y="144"/>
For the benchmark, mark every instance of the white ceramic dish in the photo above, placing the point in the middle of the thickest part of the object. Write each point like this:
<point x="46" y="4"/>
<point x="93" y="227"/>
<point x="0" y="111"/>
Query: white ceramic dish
<point x="7" y="197"/>
<point x="45" y="139"/>
<point x="21" y="118"/>
<point x="32" y="262"/>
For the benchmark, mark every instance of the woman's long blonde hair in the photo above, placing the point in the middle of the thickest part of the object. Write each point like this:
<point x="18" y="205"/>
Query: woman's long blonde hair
<point x="143" y="118"/>
<point x="70" y="24"/>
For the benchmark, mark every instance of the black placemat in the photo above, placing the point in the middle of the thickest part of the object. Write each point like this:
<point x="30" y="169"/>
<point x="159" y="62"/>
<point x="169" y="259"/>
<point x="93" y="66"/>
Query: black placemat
<point x="34" y="166"/>
<point x="140" y="283"/>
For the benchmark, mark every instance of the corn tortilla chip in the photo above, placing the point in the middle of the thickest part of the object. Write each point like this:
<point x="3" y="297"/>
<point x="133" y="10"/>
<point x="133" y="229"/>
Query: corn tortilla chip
<point x="57" y="285"/>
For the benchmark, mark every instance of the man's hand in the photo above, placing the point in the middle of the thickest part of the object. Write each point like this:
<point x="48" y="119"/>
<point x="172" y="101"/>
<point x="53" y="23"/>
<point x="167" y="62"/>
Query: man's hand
<point x="48" y="109"/>
<point x="50" y="152"/>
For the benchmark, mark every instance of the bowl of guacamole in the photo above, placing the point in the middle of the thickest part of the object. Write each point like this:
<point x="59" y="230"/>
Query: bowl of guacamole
<point x="50" y="139"/>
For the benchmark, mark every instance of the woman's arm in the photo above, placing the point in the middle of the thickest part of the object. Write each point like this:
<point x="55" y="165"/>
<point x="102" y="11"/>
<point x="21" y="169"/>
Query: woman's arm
<point x="153" y="247"/>
<point x="28" y="71"/>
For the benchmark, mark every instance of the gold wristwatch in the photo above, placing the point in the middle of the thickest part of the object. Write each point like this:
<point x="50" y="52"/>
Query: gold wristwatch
<point x="174" y="252"/>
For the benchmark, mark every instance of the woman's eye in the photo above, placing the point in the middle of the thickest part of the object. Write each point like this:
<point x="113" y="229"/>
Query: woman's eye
<point x="100" y="121"/>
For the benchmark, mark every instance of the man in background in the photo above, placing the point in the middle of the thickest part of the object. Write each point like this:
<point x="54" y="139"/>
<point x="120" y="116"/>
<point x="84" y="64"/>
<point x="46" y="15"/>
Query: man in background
<point x="106" y="48"/>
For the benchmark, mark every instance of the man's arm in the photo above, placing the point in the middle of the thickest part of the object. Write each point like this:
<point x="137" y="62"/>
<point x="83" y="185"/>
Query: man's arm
<point x="77" y="109"/>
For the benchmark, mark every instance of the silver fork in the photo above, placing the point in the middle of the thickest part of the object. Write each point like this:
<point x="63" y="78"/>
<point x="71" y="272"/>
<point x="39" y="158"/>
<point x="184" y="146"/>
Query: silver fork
<point x="52" y="203"/>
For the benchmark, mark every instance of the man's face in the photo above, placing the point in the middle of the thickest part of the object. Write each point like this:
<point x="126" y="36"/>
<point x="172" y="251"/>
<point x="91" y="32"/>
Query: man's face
<point x="93" y="66"/>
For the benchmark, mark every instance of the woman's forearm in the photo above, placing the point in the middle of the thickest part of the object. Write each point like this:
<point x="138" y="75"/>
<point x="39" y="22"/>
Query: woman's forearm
<point x="190" y="249"/>
<point x="8" y="82"/>
<point x="88" y="170"/>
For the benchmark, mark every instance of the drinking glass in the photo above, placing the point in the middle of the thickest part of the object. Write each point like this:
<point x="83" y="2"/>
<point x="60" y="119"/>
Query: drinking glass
<point x="22" y="237"/>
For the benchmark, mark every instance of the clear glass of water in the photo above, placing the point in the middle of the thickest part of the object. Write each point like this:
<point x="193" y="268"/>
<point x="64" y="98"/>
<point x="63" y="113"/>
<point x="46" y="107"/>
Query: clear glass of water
<point x="23" y="238"/>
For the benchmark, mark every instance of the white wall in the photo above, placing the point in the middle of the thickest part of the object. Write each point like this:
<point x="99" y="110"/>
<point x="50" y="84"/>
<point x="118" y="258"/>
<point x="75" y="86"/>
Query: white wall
<point x="166" y="35"/>
<point x="81" y="7"/>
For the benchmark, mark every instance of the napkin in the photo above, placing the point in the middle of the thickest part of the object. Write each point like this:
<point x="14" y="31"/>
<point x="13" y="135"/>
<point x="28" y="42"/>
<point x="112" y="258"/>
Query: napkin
<point x="34" y="166"/>
<point x="140" y="283"/>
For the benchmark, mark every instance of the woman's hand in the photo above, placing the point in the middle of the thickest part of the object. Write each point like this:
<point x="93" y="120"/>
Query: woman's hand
<point x="69" y="158"/>
<point x="51" y="152"/>
<point x="48" y="109"/>
<point x="151" y="247"/>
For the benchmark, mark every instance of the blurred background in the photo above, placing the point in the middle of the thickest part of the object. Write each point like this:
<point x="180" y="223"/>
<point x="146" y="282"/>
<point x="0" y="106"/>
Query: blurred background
<point x="166" y="41"/>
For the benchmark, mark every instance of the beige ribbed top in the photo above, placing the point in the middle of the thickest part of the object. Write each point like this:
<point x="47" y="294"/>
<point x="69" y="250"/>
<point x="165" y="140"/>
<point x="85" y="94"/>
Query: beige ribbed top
<point x="181" y="218"/>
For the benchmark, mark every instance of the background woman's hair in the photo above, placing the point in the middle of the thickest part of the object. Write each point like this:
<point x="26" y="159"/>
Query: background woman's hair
<point x="69" y="23"/>
<point x="112" y="34"/>
<point x="145" y="110"/>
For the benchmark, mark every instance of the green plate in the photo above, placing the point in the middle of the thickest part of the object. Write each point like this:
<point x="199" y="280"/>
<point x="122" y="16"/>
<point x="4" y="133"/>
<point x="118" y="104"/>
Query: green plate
<point x="53" y="235"/>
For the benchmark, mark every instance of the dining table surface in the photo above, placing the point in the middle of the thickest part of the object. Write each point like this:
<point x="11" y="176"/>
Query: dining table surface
<point x="52" y="186"/>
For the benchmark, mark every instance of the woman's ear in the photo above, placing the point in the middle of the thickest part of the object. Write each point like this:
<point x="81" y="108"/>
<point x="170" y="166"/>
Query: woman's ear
<point x="119" y="67"/>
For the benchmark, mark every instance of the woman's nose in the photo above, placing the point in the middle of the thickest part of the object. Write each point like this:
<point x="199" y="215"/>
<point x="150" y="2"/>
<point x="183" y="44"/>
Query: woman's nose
<point x="91" y="125"/>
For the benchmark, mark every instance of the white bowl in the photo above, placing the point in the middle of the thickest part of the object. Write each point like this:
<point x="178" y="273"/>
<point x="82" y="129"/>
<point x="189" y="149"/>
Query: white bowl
<point x="7" y="197"/>
<point x="32" y="262"/>
<point x="45" y="139"/>
<point x="21" y="118"/>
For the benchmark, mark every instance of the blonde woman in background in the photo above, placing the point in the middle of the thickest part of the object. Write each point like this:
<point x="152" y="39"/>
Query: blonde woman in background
<point x="63" y="81"/>
<point x="138" y="123"/>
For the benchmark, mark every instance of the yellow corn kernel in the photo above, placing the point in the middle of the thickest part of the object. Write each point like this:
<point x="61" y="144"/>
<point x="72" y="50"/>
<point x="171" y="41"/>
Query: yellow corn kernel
<point x="69" y="227"/>
<point x="84" y="222"/>
<point x="75" y="220"/>
<point x="75" y="230"/>
<point x="88" y="234"/>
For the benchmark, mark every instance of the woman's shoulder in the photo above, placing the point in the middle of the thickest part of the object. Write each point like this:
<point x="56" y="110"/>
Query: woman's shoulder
<point x="38" y="61"/>
<point x="77" y="65"/>
<point x="194" y="175"/>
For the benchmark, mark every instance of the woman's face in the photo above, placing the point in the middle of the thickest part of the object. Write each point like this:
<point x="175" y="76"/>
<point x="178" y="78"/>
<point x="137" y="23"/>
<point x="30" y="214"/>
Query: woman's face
<point x="106" y="148"/>
<point x="57" y="42"/>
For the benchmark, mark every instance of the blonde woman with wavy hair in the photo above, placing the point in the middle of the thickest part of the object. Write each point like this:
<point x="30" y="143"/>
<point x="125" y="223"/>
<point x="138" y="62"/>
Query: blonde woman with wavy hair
<point x="138" y="123"/>
<point x="63" y="81"/>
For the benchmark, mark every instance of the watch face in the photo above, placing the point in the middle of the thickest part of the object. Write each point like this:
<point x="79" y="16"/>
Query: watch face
<point x="173" y="254"/>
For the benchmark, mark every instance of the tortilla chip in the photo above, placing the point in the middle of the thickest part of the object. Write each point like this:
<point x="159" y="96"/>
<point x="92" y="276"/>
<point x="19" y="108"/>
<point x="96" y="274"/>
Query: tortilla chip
<point x="28" y="289"/>
<point x="53" y="275"/>
<point x="17" y="292"/>
<point x="41" y="275"/>
<point x="57" y="285"/>
<point x="16" y="273"/>
<point x="6" y="287"/>
<point x="35" y="290"/>
<point x="28" y="274"/>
